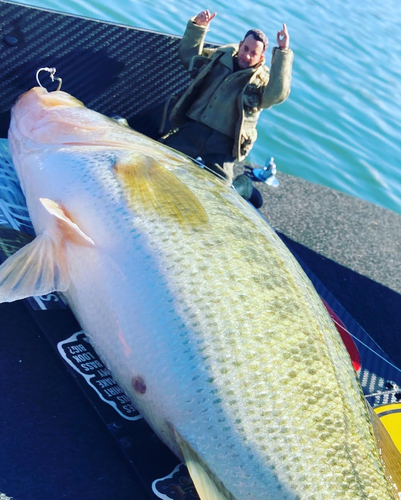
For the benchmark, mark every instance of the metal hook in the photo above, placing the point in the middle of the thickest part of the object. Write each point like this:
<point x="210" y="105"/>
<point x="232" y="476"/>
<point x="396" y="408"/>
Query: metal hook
<point x="52" y="71"/>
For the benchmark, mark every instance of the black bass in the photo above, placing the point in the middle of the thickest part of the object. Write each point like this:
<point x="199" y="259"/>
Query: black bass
<point x="198" y="309"/>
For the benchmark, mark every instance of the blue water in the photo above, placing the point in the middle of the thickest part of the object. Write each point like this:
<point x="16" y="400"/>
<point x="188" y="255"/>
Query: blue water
<point x="341" y="125"/>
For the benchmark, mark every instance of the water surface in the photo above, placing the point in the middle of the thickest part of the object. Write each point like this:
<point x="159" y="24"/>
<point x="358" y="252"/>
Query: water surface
<point x="341" y="125"/>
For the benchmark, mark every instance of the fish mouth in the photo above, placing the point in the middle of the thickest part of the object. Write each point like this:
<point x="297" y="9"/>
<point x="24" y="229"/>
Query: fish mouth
<point x="56" y="98"/>
<point x="40" y="97"/>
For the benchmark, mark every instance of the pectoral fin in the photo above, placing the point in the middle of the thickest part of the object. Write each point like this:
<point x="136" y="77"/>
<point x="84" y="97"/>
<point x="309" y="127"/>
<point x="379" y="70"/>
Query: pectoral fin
<point x="207" y="485"/>
<point x="36" y="269"/>
<point x="150" y="186"/>
<point x="68" y="229"/>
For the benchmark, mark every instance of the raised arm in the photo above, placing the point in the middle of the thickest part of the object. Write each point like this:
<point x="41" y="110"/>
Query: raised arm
<point x="279" y="86"/>
<point x="192" y="42"/>
<point x="283" y="38"/>
<point x="204" y="18"/>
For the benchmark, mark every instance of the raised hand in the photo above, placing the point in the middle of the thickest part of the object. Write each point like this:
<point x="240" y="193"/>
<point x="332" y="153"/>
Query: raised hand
<point x="204" y="18"/>
<point x="283" y="38"/>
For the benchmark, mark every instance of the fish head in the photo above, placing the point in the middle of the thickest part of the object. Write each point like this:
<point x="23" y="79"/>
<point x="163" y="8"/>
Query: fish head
<point x="56" y="117"/>
<point x="47" y="126"/>
<point x="31" y="112"/>
<point x="41" y="98"/>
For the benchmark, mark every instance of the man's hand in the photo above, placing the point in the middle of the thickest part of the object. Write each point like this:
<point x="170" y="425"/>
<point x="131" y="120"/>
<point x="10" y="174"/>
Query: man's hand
<point x="204" y="18"/>
<point x="283" y="38"/>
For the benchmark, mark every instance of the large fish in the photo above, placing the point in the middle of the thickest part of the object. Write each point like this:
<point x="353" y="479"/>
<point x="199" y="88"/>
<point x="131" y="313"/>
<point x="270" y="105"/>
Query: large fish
<point x="195" y="305"/>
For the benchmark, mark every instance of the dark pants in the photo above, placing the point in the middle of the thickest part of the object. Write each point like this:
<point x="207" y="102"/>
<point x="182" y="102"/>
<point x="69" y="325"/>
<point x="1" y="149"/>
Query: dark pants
<point x="195" y="139"/>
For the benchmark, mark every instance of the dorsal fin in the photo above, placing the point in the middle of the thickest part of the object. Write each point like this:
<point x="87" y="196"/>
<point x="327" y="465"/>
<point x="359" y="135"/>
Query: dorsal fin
<point x="149" y="186"/>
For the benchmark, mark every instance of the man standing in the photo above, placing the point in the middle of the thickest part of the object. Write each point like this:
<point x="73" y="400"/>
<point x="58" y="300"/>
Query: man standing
<point x="218" y="113"/>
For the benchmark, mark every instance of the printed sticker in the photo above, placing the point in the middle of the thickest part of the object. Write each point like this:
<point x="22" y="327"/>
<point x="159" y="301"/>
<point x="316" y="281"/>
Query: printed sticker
<point x="176" y="486"/>
<point x="80" y="354"/>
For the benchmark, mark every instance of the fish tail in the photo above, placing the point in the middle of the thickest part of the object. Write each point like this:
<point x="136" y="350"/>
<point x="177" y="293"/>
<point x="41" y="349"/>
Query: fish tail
<point x="36" y="269"/>
<point x="41" y="266"/>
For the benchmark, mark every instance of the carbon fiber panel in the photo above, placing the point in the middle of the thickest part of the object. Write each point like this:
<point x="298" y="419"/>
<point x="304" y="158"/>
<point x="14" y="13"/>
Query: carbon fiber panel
<point x="113" y="69"/>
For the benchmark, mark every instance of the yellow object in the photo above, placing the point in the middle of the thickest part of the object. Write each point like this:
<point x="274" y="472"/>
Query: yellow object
<point x="390" y="415"/>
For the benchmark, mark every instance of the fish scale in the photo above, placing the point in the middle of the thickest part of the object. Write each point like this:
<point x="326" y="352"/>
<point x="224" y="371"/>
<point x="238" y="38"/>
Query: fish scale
<point x="187" y="290"/>
<point x="256" y="431"/>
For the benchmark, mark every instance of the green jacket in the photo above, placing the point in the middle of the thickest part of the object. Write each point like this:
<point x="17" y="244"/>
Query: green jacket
<point x="229" y="101"/>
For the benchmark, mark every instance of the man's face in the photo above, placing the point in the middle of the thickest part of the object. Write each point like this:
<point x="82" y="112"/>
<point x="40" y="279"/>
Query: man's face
<point x="250" y="52"/>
